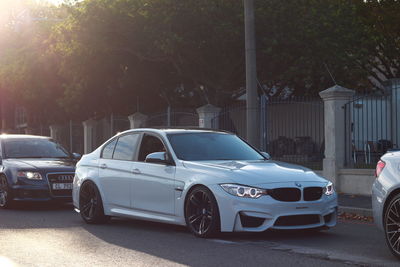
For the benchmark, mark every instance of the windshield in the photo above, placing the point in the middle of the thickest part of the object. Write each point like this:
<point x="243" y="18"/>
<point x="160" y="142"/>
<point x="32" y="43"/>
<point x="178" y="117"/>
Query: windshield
<point x="33" y="148"/>
<point x="211" y="146"/>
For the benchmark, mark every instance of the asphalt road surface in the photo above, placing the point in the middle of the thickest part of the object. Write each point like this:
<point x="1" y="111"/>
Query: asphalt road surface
<point x="48" y="235"/>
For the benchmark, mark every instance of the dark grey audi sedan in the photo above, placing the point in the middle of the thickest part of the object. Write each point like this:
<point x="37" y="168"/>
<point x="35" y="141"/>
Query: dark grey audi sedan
<point x="34" y="168"/>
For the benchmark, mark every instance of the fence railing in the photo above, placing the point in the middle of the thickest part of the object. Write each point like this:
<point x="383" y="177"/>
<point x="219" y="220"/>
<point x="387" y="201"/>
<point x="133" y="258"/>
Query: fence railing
<point x="371" y="127"/>
<point x="173" y="118"/>
<point x="291" y="130"/>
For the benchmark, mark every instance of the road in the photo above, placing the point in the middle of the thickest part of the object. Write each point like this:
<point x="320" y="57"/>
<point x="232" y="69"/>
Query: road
<point x="48" y="235"/>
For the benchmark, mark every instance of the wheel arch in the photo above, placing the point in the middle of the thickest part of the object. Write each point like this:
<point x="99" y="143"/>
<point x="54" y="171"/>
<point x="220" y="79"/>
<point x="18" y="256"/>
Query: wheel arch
<point x="87" y="180"/>
<point x="191" y="188"/>
<point x="388" y="200"/>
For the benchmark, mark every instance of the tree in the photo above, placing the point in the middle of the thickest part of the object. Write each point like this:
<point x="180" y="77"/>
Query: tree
<point x="28" y="74"/>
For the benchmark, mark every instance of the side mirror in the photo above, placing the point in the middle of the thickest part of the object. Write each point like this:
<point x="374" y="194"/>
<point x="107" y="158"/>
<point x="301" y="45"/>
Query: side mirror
<point x="266" y="155"/>
<point x="158" y="158"/>
<point x="76" y="156"/>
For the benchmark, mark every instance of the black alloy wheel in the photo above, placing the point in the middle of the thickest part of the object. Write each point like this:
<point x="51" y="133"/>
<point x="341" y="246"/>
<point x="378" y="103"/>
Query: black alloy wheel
<point x="392" y="226"/>
<point x="91" y="205"/>
<point x="5" y="193"/>
<point x="201" y="212"/>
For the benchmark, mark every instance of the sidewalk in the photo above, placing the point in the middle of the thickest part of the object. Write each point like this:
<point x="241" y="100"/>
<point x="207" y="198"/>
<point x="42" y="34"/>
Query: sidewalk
<point x="353" y="204"/>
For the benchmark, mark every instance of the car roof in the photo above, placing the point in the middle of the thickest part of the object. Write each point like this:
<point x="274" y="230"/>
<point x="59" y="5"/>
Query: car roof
<point x="177" y="130"/>
<point x="22" y="136"/>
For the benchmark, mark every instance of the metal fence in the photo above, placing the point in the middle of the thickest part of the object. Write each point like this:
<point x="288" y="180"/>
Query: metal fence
<point x="294" y="130"/>
<point x="173" y="118"/>
<point x="70" y="135"/>
<point x="291" y="130"/>
<point x="109" y="126"/>
<point x="371" y="127"/>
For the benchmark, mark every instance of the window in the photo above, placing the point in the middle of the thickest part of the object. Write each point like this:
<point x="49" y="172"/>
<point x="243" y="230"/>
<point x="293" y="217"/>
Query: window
<point x="211" y="146"/>
<point x="33" y="148"/>
<point x="126" y="147"/>
<point x="150" y="144"/>
<point x="108" y="150"/>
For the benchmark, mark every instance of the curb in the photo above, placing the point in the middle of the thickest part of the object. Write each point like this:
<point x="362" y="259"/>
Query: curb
<point x="354" y="210"/>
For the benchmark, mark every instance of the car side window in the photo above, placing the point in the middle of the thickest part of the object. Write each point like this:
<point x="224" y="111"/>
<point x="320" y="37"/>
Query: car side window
<point x="108" y="150"/>
<point x="150" y="144"/>
<point x="126" y="147"/>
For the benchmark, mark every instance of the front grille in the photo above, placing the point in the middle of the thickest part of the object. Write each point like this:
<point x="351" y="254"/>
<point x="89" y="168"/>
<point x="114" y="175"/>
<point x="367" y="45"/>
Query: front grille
<point x="250" y="221"/>
<point x="297" y="220"/>
<point x="288" y="194"/>
<point x="60" y="178"/>
<point x="312" y="193"/>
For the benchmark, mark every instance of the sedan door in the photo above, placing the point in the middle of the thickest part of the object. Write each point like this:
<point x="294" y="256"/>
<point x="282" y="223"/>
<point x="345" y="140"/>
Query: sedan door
<point x="153" y="185"/>
<point x="115" y="170"/>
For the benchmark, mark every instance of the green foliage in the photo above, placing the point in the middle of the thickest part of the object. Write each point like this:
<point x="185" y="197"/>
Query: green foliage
<point x="95" y="57"/>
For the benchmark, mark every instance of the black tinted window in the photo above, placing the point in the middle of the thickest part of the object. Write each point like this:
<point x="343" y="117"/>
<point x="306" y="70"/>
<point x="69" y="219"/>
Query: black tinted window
<point x="33" y="148"/>
<point x="150" y="144"/>
<point x="109" y="149"/>
<point x="126" y="147"/>
<point x="211" y="146"/>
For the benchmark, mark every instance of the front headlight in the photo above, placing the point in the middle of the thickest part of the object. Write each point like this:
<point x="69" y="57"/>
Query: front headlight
<point x="30" y="175"/>
<point x="243" y="191"/>
<point x="329" y="189"/>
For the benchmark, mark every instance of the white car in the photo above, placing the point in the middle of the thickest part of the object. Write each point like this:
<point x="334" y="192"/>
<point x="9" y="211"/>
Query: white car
<point x="208" y="180"/>
<point x="386" y="199"/>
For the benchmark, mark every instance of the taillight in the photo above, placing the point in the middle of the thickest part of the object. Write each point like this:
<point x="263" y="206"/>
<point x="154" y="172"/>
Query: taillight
<point x="379" y="167"/>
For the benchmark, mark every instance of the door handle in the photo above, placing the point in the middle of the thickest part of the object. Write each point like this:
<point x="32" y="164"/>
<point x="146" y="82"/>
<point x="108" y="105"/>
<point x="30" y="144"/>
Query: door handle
<point x="103" y="166"/>
<point x="136" y="171"/>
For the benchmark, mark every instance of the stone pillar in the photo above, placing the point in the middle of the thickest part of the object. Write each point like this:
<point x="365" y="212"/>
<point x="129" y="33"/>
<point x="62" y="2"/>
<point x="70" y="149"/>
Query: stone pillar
<point x="137" y="120"/>
<point x="334" y="100"/>
<point x="206" y="114"/>
<point x="89" y="135"/>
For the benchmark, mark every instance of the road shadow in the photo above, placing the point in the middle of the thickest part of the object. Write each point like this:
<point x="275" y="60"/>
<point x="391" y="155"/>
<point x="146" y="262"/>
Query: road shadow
<point x="31" y="215"/>
<point x="42" y="206"/>
<point x="177" y="244"/>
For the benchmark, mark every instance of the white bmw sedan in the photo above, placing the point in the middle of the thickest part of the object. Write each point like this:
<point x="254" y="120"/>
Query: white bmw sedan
<point x="386" y="199"/>
<point x="209" y="181"/>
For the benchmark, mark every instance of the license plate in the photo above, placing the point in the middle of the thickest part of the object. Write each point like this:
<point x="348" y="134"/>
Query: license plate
<point x="62" y="186"/>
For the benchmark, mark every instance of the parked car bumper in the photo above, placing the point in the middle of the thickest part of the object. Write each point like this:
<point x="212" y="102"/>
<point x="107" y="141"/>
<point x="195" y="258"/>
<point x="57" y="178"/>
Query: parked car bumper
<point x="39" y="193"/>
<point x="257" y="215"/>
<point x="378" y="201"/>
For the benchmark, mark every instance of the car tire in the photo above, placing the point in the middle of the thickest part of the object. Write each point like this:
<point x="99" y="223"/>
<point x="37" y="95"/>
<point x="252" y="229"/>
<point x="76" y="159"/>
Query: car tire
<point x="6" y="200"/>
<point x="91" y="204"/>
<point x="201" y="212"/>
<point x="391" y="224"/>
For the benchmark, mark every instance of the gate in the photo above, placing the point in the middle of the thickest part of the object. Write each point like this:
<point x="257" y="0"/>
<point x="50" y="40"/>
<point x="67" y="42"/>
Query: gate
<point x="371" y="127"/>
<point x="291" y="130"/>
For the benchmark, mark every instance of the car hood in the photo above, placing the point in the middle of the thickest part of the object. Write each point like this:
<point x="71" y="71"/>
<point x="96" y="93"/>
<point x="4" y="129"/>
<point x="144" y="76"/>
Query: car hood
<point x="41" y="163"/>
<point x="256" y="172"/>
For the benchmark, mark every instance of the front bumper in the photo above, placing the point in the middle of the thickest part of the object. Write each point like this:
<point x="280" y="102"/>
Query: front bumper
<point x="38" y="193"/>
<point x="257" y="215"/>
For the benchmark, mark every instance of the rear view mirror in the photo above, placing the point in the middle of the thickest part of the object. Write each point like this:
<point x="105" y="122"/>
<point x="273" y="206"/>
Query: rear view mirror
<point x="76" y="156"/>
